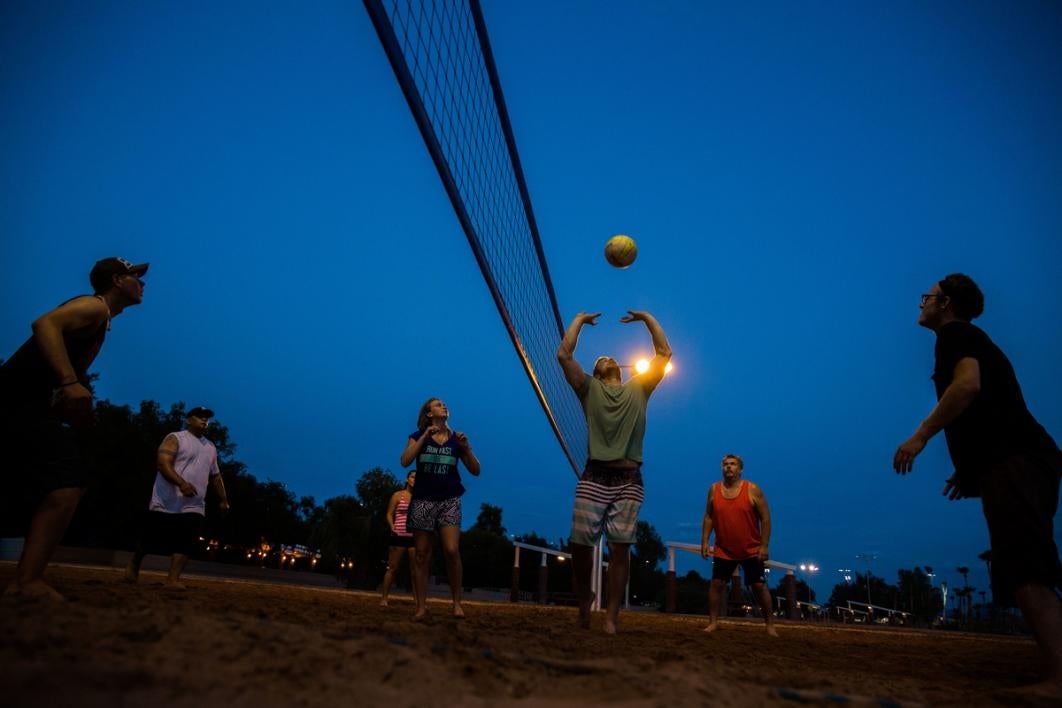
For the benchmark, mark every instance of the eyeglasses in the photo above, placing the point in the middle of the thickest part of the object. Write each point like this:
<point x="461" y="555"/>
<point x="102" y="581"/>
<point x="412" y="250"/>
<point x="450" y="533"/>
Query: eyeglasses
<point x="926" y="296"/>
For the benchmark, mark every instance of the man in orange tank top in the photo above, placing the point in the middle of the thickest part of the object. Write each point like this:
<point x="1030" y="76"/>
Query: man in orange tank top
<point x="737" y="512"/>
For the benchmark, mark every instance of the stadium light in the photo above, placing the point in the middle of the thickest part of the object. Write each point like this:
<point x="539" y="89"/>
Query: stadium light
<point x="810" y="569"/>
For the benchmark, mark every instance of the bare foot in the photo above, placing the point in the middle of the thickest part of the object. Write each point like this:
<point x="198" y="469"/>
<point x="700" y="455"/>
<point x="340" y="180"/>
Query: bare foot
<point x="459" y="612"/>
<point x="772" y="631"/>
<point x="38" y="589"/>
<point x="711" y="627"/>
<point x="610" y="626"/>
<point x="383" y="603"/>
<point x="131" y="576"/>
<point x="175" y="585"/>
<point x="421" y="615"/>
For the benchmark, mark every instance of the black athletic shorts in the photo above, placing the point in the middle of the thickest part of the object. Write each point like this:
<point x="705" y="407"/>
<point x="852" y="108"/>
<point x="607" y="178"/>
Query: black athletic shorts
<point x="400" y="541"/>
<point x="45" y="453"/>
<point x="166" y="534"/>
<point x="1019" y="497"/>
<point x="751" y="568"/>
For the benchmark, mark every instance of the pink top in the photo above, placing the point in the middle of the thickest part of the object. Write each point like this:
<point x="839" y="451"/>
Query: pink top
<point x="400" y="518"/>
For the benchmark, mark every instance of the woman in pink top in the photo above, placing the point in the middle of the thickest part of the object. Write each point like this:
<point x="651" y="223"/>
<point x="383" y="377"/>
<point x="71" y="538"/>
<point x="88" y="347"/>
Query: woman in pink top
<point x="401" y="538"/>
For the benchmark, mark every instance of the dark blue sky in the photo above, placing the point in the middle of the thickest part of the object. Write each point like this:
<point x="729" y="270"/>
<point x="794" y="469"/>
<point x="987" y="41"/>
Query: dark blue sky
<point x="795" y="176"/>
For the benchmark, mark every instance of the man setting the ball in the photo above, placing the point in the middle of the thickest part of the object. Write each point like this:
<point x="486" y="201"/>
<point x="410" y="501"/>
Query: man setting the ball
<point x="610" y="493"/>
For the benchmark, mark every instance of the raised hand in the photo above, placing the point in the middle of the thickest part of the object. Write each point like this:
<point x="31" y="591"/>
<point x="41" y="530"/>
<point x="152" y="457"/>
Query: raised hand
<point x="589" y="318"/>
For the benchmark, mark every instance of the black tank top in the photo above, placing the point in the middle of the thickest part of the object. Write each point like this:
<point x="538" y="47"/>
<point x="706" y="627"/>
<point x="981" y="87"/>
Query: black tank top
<point x="27" y="377"/>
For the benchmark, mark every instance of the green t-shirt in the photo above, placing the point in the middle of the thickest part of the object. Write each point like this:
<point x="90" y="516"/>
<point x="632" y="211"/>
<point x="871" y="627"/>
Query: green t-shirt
<point x="615" y="418"/>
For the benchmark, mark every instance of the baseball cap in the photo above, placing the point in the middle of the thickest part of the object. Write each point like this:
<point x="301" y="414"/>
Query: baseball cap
<point x="104" y="271"/>
<point x="200" y="412"/>
<point x="599" y="360"/>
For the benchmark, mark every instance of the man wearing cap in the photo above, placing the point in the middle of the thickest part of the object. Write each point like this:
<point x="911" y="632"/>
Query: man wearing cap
<point x="609" y="493"/>
<point x="187" y="462"/>
<point x="46" y="411"/>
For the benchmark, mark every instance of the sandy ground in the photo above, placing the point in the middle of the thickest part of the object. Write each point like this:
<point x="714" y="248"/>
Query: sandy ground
<point x="251" y="644"/>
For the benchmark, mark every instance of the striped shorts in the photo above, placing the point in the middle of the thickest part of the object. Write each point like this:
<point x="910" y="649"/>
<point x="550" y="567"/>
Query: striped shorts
<point x="607" y="499"/>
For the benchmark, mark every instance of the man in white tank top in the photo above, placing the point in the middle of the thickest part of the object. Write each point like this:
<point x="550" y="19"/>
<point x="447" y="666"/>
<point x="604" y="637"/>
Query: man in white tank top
<point x="187" y="463"/>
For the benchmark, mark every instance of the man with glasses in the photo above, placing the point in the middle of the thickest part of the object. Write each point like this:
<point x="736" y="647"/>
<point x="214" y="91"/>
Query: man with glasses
<point x="187" y="463"/>
<point x="46" y="412"/>
<point x="1002" y="455"/>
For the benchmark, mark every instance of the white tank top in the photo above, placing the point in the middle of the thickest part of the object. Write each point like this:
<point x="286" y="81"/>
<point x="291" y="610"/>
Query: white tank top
<point x="197" y="462"/>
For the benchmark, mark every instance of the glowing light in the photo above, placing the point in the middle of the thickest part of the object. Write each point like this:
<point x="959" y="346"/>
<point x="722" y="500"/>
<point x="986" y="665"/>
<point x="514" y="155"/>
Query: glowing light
<point x="642" y="365"/>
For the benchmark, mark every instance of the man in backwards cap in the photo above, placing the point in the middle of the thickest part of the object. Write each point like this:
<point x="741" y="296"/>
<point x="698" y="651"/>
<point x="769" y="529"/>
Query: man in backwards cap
<point x="46" y="411"/>
<point x="187" y="462"/>
<point x="609" y="494"/>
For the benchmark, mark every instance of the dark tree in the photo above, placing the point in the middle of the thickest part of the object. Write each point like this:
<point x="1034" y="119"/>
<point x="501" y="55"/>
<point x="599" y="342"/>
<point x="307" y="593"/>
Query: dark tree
<point x="490" y="520"/>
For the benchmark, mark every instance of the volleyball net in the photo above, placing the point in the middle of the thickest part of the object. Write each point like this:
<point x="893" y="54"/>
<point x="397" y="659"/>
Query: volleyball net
<point x="441" y="56"/>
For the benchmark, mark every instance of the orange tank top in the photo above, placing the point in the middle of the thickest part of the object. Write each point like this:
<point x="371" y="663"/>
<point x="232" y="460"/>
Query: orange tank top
<point x="736" y="525"/>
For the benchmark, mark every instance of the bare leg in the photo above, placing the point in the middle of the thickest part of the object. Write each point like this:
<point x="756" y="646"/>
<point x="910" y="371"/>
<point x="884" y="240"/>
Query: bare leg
<point x="619" y="564"/>
<point x="173" y="580"/>
<point x="421" y="558"/>
<point x="1042" y="610"/>
<point x="763" y="596"/>
<point x="715" y="601"/>
<point x="46" y="530"/>
<point x="394" y="557"/>
<point x="449" y="537"/>
<point x="132" y="571"/>
<point x="582" y="569"/>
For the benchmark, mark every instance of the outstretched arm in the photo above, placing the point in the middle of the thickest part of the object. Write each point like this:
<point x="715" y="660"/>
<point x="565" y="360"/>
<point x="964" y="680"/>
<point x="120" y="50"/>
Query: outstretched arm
<point x="759" y="502"/>
<point x="660" y="344"/>
<point x="566" y="351"/>
<point x="957" y="397"/>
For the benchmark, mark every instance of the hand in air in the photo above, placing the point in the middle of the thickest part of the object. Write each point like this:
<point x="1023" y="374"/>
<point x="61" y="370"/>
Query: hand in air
<point x="633" y="316"/>
<point x="589" y="318"/>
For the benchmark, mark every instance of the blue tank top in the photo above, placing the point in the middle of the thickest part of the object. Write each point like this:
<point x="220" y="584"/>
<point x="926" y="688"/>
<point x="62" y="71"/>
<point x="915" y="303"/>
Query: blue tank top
<point x="437" y="475"/>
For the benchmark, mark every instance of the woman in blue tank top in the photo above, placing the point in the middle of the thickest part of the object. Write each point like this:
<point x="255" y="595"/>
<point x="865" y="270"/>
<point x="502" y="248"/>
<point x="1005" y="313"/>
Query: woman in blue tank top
<point x="436" y="503"/>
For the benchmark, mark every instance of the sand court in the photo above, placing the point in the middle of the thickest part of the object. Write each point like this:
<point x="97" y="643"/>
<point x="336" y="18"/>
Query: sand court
<point x="241" y="643"/>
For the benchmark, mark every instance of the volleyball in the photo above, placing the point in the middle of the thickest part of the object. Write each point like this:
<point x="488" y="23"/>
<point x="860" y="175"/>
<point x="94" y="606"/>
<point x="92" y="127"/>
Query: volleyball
<point x="621" y="251"/>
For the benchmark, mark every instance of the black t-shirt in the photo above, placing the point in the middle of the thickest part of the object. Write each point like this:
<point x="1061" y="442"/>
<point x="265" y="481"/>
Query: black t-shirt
<point x="997" y="424"/>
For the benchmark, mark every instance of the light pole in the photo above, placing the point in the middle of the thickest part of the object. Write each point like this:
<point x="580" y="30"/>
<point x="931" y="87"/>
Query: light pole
<point x="810" y="569"/>
<point x="867" y="557"/>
